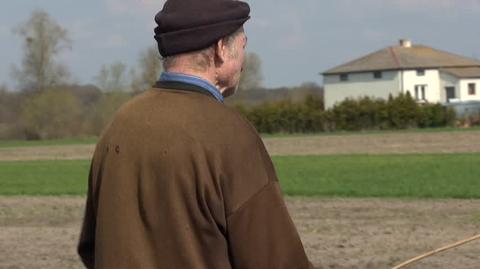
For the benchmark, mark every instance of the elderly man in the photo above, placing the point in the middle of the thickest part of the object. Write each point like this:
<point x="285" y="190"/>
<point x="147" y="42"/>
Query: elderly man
<point x="179" y="180"/>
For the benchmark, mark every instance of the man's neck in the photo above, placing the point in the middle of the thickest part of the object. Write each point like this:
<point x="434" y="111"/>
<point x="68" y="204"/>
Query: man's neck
<point x="208" y="76"/>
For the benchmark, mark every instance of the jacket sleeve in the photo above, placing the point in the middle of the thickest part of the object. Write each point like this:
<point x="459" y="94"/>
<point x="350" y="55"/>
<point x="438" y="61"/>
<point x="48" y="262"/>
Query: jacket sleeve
<point x="260" y="232"/>
<point x="86" y="245"/>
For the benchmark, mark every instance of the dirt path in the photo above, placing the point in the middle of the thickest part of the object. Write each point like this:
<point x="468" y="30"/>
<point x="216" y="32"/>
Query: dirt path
<point x="391" y="143"/>
<point x="337" y="233"/>
<point x="396" y="143"/>
<point x="71" y="152"/>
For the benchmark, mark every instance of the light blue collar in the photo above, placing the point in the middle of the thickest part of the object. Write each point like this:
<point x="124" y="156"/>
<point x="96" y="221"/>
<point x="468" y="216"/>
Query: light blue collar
<point x="189" y="79"/>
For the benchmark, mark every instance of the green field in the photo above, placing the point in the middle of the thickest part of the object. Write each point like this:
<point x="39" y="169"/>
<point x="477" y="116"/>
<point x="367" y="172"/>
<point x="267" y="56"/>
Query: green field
<point x="43" y="177"/>
<point x="412" y="176"/>
<point x="408" y="176"/>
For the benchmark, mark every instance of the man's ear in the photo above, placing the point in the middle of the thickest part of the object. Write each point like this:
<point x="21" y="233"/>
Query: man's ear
<point x="220" y="52"/>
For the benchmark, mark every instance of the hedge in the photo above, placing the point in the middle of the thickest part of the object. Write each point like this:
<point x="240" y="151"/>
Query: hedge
<point x="365" y="113"/>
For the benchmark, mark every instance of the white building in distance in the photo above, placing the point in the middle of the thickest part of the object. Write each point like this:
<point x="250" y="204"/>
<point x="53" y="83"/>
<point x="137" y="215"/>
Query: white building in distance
<point x="429" y="75"/>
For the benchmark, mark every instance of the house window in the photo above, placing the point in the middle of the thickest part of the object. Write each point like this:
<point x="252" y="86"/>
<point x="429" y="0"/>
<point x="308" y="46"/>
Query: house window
<point x="420" y="92"/>
<point x="472" y="89"/>
<point x="377" y="75"/>
<point x="344" y="77"/>
<point x="421" y="72"/>
<point x="450" y="93"/>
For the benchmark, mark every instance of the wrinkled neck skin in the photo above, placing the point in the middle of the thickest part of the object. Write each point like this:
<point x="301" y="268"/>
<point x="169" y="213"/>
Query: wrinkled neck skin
<point x="228" y="91"/>
<point x="209" y="75"/>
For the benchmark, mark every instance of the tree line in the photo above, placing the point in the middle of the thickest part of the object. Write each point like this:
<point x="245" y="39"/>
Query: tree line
<point x="84" y="111"/>
<point x="47" y="104"/>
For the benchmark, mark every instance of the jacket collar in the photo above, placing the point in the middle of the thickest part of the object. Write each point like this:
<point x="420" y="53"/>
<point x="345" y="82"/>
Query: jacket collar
<point x="188" y="83"/>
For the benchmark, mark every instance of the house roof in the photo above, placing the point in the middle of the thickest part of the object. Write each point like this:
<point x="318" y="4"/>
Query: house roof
<point x="465" y="72"/>
<point x="400" y="58"/>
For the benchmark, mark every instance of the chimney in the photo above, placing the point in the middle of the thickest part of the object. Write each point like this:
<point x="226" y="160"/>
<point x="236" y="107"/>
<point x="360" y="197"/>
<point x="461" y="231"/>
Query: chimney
<point x="405" y="43"/>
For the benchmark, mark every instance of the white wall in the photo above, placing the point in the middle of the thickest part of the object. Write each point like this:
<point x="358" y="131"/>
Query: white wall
<point x="393" y="82"/>
<point x="447" y="80"/>
<point x="360" y="85"/>
<point x="464" y="96"/>
<point x="431" y="79"/>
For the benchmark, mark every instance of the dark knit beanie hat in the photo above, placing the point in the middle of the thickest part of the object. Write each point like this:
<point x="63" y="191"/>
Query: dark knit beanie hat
<point x="190" y="25"/>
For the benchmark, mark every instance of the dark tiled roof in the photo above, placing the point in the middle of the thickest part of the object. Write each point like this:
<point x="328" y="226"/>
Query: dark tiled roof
<point x="397" y="58"/>
<point x="465" y="72"/>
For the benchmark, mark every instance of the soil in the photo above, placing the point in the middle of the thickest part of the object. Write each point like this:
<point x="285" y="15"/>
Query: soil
<point x="41" y="232"/>
<point x="70" y="152"/>
<point x="386" y="143"/>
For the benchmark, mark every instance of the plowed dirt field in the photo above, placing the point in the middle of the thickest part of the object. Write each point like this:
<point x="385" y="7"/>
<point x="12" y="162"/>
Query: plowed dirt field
<point x="337" y="233"/>
<point x="387" y="143"/>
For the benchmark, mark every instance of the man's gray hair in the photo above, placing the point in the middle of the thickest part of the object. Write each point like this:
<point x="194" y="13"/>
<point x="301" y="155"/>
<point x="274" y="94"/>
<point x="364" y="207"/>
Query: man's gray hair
<point x="200" y="60"/>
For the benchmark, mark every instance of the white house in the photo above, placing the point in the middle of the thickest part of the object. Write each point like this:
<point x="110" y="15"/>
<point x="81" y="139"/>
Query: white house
<point x="429" y="75"/>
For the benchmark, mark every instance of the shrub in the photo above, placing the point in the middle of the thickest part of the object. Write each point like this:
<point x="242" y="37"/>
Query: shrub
<point x="350" y="115"/>
<point x="104" y="110"/>
<point x="403" y="111"/>
<point x="10" y="111"/>
<point x="361" y="114"/>
<point x="51" y="114"/>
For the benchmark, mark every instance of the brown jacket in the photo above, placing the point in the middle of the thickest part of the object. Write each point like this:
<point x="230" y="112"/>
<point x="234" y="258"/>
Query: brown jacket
<point x="180" y="181"/>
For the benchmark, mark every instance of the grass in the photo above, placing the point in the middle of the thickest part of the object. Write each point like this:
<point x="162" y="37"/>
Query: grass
<point x="53" y="142"/>
<point x="43" y="177"/>
<point x="410" y="176"/>
<point x="405" y="176"/>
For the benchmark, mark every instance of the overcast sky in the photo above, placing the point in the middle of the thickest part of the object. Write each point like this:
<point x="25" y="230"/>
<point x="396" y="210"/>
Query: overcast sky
<point x="294" y="39"/>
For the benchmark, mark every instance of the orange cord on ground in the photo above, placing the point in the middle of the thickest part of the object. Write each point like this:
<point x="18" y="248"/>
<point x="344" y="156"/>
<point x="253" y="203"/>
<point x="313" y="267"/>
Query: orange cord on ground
<point x="428" y="254"/>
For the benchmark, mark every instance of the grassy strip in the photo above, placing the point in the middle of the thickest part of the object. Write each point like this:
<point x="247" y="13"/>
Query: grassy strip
<point x="43" y="177"/>
<point x="408" y="176"/>
<point x="53" y="142"/>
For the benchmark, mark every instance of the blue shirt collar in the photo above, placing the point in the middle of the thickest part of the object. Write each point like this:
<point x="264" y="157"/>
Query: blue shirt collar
<point x="177" y="77"/>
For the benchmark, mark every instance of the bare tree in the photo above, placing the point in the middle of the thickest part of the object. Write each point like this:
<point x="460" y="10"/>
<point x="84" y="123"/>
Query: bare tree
<point x="252" y="72"/>
<point x="118" y="76"/>
<point x="44" y="40"/>
<point x="102" y="78"/>
<point x="112" y="77"/>
<point x="150" y="67"/>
